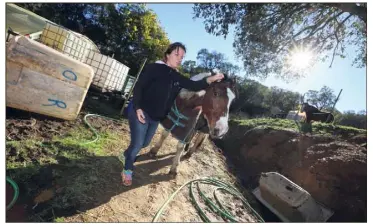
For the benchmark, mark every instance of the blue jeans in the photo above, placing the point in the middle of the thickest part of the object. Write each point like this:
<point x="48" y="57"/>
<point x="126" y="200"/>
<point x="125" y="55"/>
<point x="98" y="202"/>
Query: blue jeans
<point x="141" y="135"/>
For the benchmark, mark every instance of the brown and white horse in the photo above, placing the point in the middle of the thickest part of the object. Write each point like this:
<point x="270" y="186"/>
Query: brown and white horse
<point x="197" y="114"/>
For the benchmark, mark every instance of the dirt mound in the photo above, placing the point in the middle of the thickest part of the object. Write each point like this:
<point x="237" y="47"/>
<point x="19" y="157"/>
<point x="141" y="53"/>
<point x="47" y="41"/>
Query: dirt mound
<point x="360" y="140"/>
<point x="334" y="172"/>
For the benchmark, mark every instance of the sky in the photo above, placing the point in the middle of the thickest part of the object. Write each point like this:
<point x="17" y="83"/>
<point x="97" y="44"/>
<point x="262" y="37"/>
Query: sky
<point x="177" y="21"/>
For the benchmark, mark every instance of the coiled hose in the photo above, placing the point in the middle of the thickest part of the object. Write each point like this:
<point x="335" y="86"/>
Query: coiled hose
<point x="92" y="128"/>
<point x="219" y="208"/>
<point x="16" y="192"/>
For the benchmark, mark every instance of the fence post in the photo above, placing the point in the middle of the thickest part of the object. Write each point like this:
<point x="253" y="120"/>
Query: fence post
<point x="133" y="86"/>
<point x="335" y="102"/>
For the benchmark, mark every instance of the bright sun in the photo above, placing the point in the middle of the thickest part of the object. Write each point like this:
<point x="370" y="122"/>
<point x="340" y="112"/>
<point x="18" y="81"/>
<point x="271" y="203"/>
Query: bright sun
<point x="300" y="58"/>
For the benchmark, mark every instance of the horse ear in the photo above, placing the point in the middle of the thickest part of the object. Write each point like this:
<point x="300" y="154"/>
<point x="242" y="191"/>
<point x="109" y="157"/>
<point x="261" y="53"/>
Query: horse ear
<point x="215" y="71"/>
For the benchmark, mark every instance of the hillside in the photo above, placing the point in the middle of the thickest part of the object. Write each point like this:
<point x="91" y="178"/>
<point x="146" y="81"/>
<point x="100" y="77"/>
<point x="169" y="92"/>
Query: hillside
<point x="62" y="178"/>
<point x="331" y="164"/>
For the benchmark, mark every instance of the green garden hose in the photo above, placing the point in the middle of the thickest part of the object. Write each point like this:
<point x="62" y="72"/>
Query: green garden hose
<point x="219" y="208"/>
<point x="16" y="192"/>
<point x="92" y="128"/>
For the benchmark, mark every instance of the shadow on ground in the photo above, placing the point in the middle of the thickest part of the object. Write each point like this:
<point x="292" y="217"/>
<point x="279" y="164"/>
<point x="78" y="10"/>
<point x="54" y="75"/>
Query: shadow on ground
<point x="76" y="185"/>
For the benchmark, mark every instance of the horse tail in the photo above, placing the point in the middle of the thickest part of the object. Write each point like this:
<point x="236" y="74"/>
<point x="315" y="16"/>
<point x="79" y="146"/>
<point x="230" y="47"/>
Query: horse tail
<point x="329" y="118"/>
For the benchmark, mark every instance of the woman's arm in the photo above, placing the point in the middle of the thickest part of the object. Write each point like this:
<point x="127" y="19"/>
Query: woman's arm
<point x="196" y="85"/>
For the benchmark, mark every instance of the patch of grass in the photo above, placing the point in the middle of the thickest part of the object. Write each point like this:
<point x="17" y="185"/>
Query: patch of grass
<point x="274" y="123"/>
<point x="77" y="169"/>
<point x="21" y="154"/>
<point x="28" y="152"/>
<point x="317" y="127"/>
<point x="25" y="158"/>
<point x="82" y="136"/>
<point x="59" y="219"/>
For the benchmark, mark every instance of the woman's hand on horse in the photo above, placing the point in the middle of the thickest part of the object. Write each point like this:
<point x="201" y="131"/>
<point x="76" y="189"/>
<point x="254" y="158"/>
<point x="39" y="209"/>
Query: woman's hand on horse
<point x="215" y="78"/>
<point x="140" y="115"/>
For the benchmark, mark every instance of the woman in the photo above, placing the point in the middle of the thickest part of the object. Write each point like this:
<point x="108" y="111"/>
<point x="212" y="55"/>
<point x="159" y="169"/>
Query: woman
<point x="153" y="96"/>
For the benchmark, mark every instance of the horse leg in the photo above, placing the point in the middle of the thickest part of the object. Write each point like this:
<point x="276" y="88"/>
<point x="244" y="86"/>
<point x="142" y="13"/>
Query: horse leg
<point x="153" y="152"/>
<point x="186" y="148"/>
<point x="308" y="118"/>
<point x="331" y="118"/>
<point x="197" y="144"/>
<point x="176" y="160"/>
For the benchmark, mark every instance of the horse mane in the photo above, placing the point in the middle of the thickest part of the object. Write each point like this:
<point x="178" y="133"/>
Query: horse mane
<point x="187" y="94"/>
<point x="312" y="108"/>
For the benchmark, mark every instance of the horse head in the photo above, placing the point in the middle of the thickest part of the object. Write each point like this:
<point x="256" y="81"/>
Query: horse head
<point x="309" y="108"/>
<point x="215" y="106"/>
<point x="304" y="107"/>
<point x="213" y="102"/>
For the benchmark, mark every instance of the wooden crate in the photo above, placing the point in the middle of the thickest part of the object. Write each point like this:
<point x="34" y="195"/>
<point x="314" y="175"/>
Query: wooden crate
<point x="42" y="80"/>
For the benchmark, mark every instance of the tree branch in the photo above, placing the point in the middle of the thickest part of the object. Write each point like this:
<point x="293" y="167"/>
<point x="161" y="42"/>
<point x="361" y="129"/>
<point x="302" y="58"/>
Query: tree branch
<point x="334" y="52"/>
<point x="352" y="8"/>
<point x="336" y="36"/>
<point x="326" y="23"/>
<point x="310" y="27"/>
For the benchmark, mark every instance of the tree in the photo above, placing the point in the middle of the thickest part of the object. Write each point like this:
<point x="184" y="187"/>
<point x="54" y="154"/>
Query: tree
<point x="251" y="96"/>
<point x="323" y="99"/>
<point x="350" y="118"/>
<point x="210" y="60"/>
<point x="274" y="97"/>
<point x="267" y="33"/>
<point x="282" y="99"/>
<point x="362" y="112"/>
<point x="190" y="68"/>
<point x="230" y="68"/>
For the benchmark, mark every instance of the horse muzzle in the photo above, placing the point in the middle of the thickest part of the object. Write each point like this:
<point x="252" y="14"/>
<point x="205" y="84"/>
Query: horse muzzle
<point x="218" y="133"/>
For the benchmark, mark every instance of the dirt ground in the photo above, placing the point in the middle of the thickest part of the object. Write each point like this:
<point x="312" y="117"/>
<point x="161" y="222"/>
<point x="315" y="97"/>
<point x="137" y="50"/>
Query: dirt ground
<point x="86" y="187"/>
<point x="332" y="169"/>
<point x="53" y="191"/>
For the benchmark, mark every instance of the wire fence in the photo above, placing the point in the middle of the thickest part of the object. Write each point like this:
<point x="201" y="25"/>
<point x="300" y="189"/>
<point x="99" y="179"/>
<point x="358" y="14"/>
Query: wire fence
<point x="110" y="75"/>
<point x="66" y="41"/>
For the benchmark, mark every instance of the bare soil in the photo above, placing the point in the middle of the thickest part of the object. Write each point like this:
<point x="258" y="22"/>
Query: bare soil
<point x="89" y="189"/>
<point x="331" y="169"/>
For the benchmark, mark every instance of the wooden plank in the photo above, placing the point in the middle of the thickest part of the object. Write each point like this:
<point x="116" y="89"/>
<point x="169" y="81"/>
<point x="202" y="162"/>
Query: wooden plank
<point x="41" y="103"/>
<point x="43" y="94"/>
<point x="13" y="71"/>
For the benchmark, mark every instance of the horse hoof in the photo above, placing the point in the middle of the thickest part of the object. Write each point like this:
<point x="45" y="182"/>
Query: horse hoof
<point x="172" y="173"/>
<point x="152" y="155"/>
<point x="187" y="156"/>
